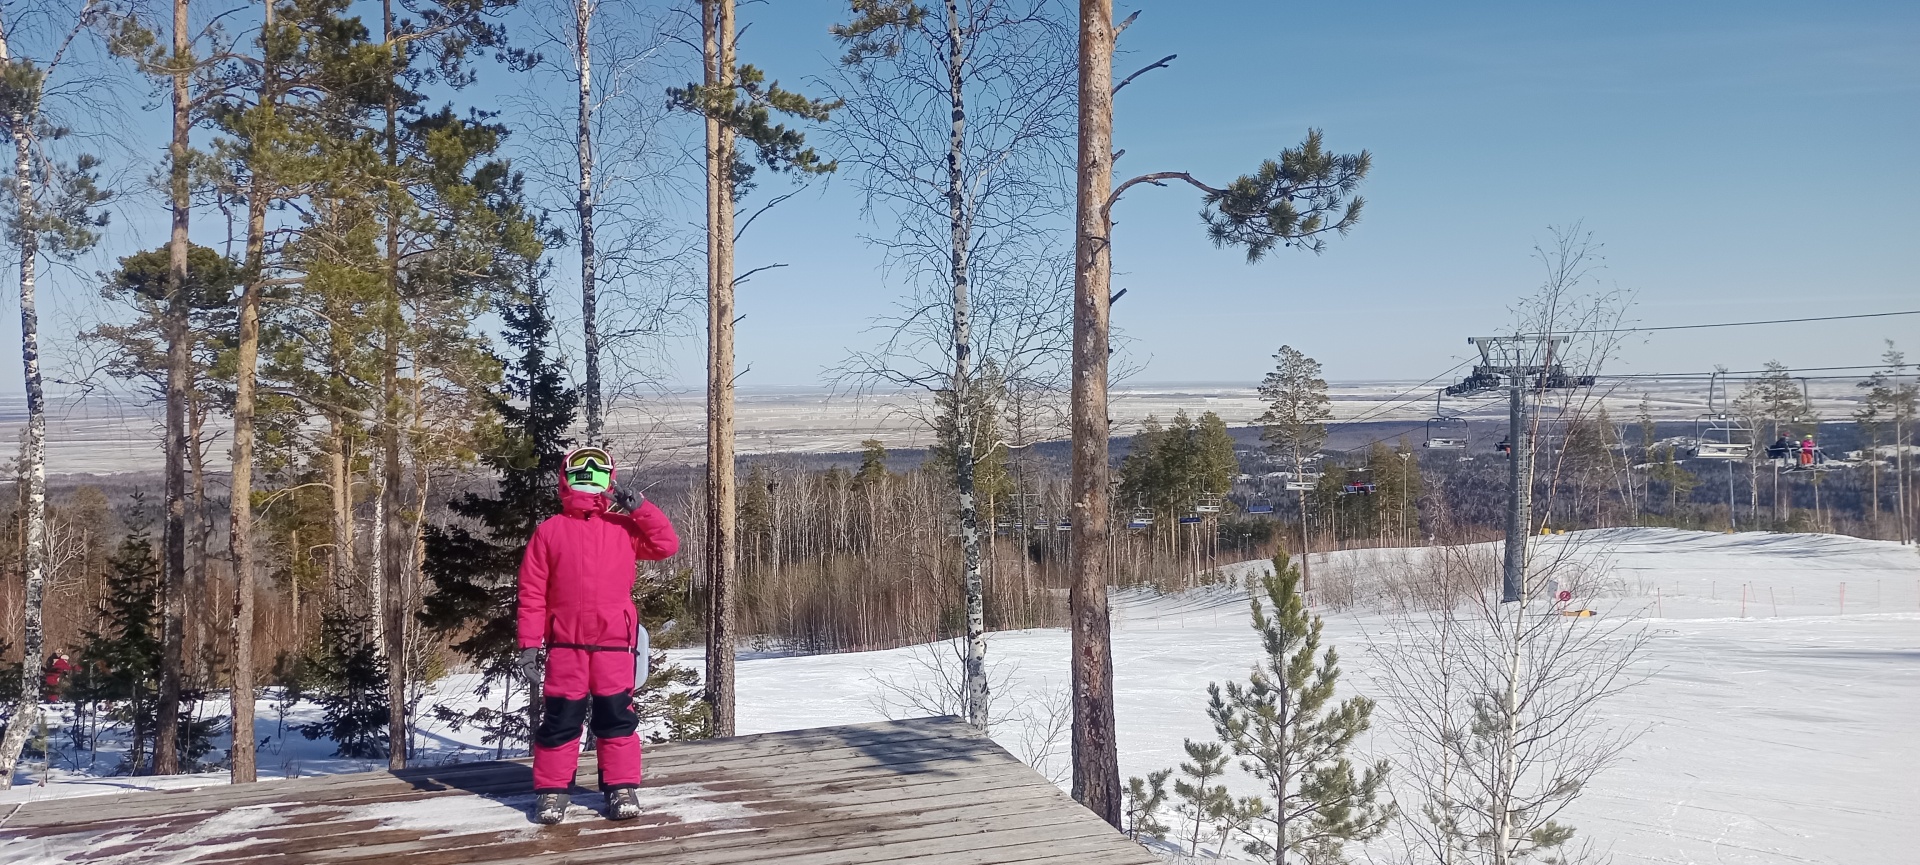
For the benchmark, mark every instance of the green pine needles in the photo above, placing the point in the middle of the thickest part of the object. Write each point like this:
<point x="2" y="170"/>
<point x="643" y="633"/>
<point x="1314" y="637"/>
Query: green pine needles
<point x="1289" y="734"/>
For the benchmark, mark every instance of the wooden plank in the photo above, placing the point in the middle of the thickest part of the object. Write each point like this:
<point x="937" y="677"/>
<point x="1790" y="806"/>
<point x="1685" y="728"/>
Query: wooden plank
<point x="847" y="770"/>
<point x="501" y="777"/>
<point x="928" y="792"/>
<point x="580" y="835"/>
<point x="222" y="796"/>
<point x="932" y="797"/>
<point x="749" y="845"/>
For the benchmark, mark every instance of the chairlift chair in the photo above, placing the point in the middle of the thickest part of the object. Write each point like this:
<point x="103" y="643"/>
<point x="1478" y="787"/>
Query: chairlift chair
<point x="1358" y="486"/>
<point x="1207" y="503"/>
<point x="1141" y="518"/>
<point x="1720" y="436"/>
<point x="1260" y="506"/>
<point x="1445" y="433"/>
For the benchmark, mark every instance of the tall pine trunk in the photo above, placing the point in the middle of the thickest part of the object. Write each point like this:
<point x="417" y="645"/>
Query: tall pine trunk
<point x="26" y="711"/>
<point x="1096" y="761"/>
<point x="240" y="501"/>
<point x="717" y="54"/>
<point x="584" y="203"/>
<point x="962" y="386"/>
<point x="393" y="537"/>
<point x="166" y="750"/>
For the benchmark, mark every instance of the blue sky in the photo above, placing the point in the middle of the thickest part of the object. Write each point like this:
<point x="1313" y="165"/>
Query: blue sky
<point x="1738" y="160"/>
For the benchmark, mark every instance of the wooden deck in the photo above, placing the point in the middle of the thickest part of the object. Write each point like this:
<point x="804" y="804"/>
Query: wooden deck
<point x="928" y="792"/>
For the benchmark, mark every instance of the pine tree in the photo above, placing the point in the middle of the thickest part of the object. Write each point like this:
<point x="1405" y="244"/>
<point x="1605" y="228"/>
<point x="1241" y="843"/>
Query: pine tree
<point x="1678" y="480"/>
<point x="1293" y="738"/>
<point x="1214" y="452"/>
<point x="1294" y="425"/>
<point x="873" y="464"/>
<point x="1202" y="802"/>
<point x="347" y="677"/>
<point x="473" y="575"/>
<point x="1144" y="799"/>
<point x="120" y="661"/>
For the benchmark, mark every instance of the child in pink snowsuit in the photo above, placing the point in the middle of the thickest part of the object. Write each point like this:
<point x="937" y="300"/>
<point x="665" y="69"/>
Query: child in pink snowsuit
<point x="576" y="601"/>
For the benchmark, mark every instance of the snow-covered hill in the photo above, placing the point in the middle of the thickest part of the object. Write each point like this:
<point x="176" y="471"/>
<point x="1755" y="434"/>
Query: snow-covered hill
<point x="1785" y="736"/>
<point x="1782" y="735"/>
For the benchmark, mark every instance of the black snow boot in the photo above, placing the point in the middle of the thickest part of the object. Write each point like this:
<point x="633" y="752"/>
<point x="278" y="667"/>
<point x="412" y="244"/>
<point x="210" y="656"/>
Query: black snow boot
<point x="549" y="808"/>
<point x="623" y="804"/>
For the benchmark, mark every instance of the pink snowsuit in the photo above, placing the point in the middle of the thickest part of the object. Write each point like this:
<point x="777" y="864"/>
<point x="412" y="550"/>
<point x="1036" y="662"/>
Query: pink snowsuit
<point x="576" y="599"/>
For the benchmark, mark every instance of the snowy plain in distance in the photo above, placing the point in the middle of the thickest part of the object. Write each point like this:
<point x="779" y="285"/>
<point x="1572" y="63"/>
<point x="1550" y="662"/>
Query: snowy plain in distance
<point x="1782" y="736"/>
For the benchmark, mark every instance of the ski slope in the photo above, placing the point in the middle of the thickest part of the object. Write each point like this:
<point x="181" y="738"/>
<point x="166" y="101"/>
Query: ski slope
<point x="1782" y="736"/>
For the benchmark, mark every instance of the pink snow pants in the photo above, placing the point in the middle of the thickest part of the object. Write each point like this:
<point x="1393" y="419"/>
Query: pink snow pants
<point x="577" y="681"/>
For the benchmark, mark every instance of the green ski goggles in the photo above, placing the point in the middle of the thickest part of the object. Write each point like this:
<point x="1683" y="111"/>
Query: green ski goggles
<point x="590" y="470"/>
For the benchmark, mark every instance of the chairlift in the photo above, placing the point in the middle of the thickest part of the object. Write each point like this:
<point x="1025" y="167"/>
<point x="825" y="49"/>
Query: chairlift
<point x="1260" y="506"/>
<point x="1141" y="518"/>
<point x="1064" y="525"/>
<point x="1358" y="486"/>
<point x="1207" y="503"/>
<point x="1445" y="433"/>
<point x="1190" y="519"/>
<point x="1720" y="436"/>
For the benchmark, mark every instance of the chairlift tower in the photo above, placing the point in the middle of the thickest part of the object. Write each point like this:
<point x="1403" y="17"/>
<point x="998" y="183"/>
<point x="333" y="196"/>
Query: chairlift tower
<point x="1519" y="363"/>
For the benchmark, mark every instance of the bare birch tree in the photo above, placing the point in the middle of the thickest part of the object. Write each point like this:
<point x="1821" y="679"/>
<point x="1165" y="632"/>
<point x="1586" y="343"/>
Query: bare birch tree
<point x="1498" y="702"/>
<point x="52" y="215"/>
<point x="957" y="116"/>
<point x="614" y="159"/>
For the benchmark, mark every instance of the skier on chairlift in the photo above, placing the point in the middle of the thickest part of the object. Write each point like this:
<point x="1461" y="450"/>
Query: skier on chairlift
<point x="1781" y="448"/>
<point x="1807" y="450"/>
<point x="576" y="602"/>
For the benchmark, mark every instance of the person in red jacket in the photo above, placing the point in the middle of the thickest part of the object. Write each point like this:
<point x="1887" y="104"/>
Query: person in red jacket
<point x="57" y="671"/>
<point x="576" y="601"/>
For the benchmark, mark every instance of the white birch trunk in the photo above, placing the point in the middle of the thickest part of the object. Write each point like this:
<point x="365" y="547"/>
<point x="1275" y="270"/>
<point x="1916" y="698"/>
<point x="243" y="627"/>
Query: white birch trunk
<point x="26" y="712"/>
<point x="962" y="385"/>
<point x="589" y="288"/>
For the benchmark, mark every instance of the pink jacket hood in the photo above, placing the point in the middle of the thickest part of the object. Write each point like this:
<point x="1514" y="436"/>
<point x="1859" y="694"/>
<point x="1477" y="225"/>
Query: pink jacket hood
<point x="576" y="582"/>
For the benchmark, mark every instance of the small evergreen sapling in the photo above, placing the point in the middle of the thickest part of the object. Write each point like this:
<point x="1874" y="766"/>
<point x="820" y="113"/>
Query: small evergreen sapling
<point x="1290" y="734"/>
<point x="1202" y="802"/>
<point x="348" y="679"/>
<point x="119" y="664"/>
<point x="1145" y="798"/>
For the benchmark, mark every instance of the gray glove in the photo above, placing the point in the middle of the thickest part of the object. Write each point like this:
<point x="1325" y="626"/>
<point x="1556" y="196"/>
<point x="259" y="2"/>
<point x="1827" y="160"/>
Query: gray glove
<point x="626" y="500"/>
<point x="528" y="664"/>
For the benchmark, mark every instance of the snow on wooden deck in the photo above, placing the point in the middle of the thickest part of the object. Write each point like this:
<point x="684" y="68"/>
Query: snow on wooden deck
<point x="930" y="792"/>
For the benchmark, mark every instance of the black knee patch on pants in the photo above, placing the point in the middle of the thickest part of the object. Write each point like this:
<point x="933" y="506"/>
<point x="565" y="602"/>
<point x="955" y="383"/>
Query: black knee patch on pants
<point x="560" y="723"/>
<point x="613" y="715"/>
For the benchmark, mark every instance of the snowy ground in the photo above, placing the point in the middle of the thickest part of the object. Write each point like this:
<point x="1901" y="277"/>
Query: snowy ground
<point x="1781" y="736"/>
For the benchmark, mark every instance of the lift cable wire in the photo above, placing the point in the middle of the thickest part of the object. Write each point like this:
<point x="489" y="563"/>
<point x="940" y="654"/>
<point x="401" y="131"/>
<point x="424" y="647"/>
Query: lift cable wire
<point x="1729" y="324"/>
